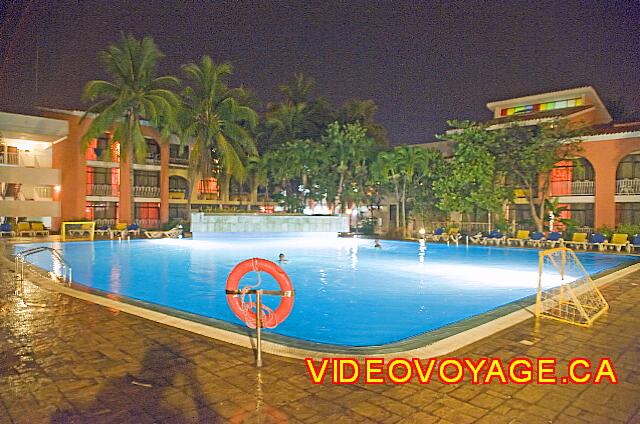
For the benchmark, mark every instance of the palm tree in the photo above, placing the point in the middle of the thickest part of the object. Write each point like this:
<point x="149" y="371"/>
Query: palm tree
<point x="363" y="111"/>
<point x="299" y="116"/>
<point x="133" y="94"/>
<point x="215" y="123"/>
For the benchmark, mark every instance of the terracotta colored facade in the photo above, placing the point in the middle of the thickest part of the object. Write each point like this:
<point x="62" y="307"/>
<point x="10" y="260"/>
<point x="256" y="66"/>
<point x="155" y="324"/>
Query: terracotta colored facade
<point x="605" y="145"/>
<point x="99" y="187"/>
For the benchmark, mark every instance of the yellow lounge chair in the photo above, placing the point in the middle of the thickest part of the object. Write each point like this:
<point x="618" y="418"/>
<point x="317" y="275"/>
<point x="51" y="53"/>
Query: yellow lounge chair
<point x="618" y="242"/>
<point x="452" y="235"/>
<point x="578" y="240"/>
<point x="24" y="228"/>
<point x="521" y="238"/>
<point x="119" y="230"/>
<point x="37" y="228"/>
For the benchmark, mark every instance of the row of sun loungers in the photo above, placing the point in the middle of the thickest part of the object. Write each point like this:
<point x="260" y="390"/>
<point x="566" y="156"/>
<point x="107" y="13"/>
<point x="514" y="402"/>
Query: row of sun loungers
<point x="24" y="229"/>
<point x="525" y="238"/>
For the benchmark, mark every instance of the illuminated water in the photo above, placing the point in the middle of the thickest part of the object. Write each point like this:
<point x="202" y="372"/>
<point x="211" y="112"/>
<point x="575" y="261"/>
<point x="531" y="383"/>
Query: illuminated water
<point x="347" y="292"/>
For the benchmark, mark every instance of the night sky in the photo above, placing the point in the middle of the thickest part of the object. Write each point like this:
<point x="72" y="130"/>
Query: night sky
<point x="421" y="62"/>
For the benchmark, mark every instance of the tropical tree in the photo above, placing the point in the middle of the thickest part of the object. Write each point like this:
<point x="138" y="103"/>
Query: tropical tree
<point x="300" y="115"/>
<point x="471" y="179"/>
<point x="216" y="124"/>
<point x="363" y="111"/>
<point x="133" y="94"/>
<point x="528" y="154"/>
<point x="349" y="148"/>
<point x="403" y="170"/>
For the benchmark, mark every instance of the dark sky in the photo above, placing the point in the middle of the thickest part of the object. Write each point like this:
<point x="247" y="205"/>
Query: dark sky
<point x="421" y="62"/>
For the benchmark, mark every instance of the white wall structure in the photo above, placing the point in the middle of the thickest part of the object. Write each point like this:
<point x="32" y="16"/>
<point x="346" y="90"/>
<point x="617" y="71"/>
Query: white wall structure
<point x="202" y="223"/>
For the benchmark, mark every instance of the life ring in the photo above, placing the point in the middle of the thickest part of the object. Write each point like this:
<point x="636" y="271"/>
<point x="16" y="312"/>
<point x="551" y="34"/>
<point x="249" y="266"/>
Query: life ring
<point x="244" y="310"/>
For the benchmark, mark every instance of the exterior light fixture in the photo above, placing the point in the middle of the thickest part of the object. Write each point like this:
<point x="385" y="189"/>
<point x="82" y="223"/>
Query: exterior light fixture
<point x="422" y="231"/>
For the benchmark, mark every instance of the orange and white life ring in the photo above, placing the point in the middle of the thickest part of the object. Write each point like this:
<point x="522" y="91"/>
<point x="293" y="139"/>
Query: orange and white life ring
<point x="245" y="310"/>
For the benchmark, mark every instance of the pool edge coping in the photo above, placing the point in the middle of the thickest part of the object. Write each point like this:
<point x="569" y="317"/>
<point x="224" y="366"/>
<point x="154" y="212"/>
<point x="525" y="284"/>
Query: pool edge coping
<point x="436" y="348"/>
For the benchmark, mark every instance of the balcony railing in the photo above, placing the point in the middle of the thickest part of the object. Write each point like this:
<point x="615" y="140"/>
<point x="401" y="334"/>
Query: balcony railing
<point x="110" y="222"/>
<point x="174" y="160"/>
<point x="147" y="223"/>
<point x="28" y="159"/>
<point x="103" y="190"/>
<point x="42" y="193"/>
<point x="573" y="188"/>
<point x="149" y="192"/>
<point x="153" y="159"/>
<point x="628" y="186"/>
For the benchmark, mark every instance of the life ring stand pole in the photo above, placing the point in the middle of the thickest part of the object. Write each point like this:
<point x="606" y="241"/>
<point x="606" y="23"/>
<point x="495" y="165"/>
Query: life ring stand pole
<point x="259" y="328"/>
<point x="244" y="312"/>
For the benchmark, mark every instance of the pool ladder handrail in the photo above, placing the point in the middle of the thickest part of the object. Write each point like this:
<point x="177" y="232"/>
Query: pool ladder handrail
<point x="20" y="260"/>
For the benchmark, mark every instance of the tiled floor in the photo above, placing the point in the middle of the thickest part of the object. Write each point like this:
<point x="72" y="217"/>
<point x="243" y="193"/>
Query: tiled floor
<point x="64" y="360"/>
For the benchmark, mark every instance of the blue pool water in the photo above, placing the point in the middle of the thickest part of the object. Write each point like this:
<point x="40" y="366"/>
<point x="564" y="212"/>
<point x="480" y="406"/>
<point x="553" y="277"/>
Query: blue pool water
<point x="346" y="291"/>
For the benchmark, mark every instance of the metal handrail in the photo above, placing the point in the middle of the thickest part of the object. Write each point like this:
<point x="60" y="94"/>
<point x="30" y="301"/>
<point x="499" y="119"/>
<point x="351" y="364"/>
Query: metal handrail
<point x="20" y="260"/>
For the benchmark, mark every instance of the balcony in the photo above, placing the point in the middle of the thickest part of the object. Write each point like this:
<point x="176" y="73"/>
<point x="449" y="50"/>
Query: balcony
<point x="152" y="158"/>
<point x="179" y="161"/>
<point x="29" y="208"/>
<point x="628" y="186"/>
<point x="147" y="192"/>
<point x="106" y="190"/>
<point x="573" y="188"/>
<point x="26" y="159"/>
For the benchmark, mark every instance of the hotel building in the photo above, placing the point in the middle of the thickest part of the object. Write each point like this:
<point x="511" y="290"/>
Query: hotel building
<point x="68" y="182"/>
<point x="47" y="175"/>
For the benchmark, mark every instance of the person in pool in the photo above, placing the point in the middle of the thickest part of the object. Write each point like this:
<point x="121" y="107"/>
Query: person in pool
<point x="281" y="258"/>
<point x="377" y="244"/>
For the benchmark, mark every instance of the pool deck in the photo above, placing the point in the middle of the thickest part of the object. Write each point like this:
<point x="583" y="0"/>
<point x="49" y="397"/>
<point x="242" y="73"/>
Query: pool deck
<point x="66" y="360"/>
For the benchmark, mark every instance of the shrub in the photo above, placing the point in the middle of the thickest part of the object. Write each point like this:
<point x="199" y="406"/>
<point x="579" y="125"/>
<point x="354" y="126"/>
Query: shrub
<point x="630" y="229"/>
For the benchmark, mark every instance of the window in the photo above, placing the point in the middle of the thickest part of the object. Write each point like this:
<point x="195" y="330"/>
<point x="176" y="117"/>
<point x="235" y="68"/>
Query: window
<point x="581" y="213"/>
<point x="148" y="211"/>
<point x="178" y="184"/>
<point x="101" y="210"/>
<point x="627" y="213"/>
<point x="629" y="167"/>
<point x="176" y="157"/>
<point x="177" y="212"/>
<point x="103" y="181"/>
<point x="209" y="186"/>
<point x="146" y="179"/>
<point x="538" y="107"/>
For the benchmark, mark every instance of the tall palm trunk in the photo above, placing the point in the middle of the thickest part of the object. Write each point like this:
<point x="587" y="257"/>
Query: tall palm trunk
<point x="338" y="200"/>
<point x="224" y="188"/>
<point x="404" y="208"/>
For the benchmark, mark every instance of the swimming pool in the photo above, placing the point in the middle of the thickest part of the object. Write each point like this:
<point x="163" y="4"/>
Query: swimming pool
<point x="347" y="292"/>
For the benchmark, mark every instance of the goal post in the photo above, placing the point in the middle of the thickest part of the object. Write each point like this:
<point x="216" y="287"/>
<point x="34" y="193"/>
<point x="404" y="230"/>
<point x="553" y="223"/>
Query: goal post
<point x="78" y="231"/>
<point x="566" y="291"/>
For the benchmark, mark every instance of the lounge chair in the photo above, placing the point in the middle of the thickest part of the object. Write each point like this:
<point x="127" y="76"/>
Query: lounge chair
<point x="37" y="228"/>
<point x="635" y="242"/>
<point x="536" y="239"/>
<point x="494" y="237"/>
<point x="618" y="242"/>
<point x="521" y="238"/>
<point x="103" y="230"/>
<point x="436" y="235"/>
<point x="476" y="238"/>
<point x="24" y="228"/>
<point x="120" y="230"/>
<point x="554" y="237"/>
<point x="7" y="229"/>
<point x="175" y="232"/>
<point x="578" y="240"/>
<point x="453" y="235"/>
<point x="133" y="229"/>
<point x="79" y="232"/>
<point x="598" y="240"/>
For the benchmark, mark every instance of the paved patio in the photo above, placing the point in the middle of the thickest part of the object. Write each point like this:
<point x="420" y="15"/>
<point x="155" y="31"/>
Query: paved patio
<point x="63" y="360"/>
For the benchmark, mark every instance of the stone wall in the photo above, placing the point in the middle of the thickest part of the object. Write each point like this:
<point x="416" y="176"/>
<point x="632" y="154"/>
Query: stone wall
<point x="202" y="223"/>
